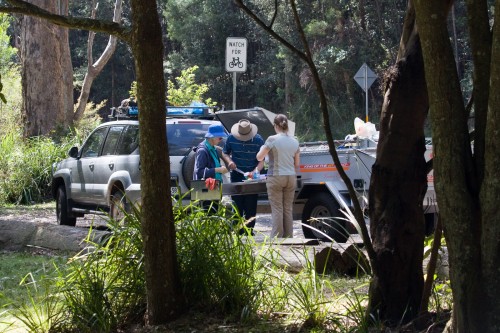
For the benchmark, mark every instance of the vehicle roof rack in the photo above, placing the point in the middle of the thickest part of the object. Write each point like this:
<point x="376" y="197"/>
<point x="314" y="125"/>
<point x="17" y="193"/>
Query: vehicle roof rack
<point x="132" y="112"/>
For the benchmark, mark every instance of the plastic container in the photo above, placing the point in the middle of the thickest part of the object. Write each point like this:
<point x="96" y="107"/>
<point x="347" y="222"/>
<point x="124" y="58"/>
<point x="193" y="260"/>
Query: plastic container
<point x="256" y="174"/>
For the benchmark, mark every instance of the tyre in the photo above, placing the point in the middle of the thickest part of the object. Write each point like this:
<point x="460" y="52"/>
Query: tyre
<point x="321" y="219"/>
<point x="62" y="208"/>
<point x="118" y="206"/>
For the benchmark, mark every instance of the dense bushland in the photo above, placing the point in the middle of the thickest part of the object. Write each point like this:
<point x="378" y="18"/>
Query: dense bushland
<point x="226" y="277"/>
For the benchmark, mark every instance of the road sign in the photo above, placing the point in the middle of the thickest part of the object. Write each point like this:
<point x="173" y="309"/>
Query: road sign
<point x="236" y="54"/>
<point x="365" y="77"/>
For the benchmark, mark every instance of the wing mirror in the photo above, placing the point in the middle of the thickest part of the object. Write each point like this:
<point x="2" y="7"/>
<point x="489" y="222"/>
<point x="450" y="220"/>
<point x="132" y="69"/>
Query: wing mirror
<point x="73" y="152"/>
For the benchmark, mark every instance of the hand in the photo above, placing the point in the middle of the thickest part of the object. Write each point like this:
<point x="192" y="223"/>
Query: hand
<point x="221" y="169"/>
<point x="232" y="165"/>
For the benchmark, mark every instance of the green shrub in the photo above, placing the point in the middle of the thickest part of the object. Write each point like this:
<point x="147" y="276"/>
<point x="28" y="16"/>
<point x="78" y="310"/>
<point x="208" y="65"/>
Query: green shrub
<point x="27" y="168"/>
<point x="26" y="164"/>
<point x="217" y="266"/>
<point x="222" y="273"/>
<point x="105" y="287"/>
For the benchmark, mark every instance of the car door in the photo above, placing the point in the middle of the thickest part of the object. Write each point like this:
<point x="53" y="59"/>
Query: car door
<point x="105" y="164"/>
<point x="82" y="172"/>
<point x="127" y="154"/>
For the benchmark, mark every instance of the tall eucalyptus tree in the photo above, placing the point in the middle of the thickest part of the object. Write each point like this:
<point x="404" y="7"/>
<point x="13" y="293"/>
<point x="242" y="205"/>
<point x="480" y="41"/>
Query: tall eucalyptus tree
<point x="164" y="299"/>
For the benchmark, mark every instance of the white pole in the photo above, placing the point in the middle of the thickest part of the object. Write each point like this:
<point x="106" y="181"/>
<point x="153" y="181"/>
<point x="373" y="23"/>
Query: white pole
<point x="234" y="90"/>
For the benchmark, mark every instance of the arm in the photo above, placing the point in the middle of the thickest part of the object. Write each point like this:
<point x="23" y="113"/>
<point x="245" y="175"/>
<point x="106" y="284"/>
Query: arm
<point x="264" y="150"/>
<point x="226" y="155"/>
<point x="204" y="166"/>
<point x="296" y="161"/>
<point x="260" y="166"/>
<point x="228" y="161"/>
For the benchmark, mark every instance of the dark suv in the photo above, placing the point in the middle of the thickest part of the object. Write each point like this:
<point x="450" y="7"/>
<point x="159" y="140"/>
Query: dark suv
<point x="103" y="176"/>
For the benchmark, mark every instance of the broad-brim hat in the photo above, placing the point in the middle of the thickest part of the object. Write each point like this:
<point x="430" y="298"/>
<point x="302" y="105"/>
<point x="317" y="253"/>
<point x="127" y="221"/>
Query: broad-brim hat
<point x="216" y="131"/>
<point x="244" y="130"/>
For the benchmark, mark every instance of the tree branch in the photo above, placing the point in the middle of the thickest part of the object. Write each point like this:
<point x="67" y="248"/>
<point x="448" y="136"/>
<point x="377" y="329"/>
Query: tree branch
<point x="276" y="5"/>
<point x="94" y="69"/>
<point x="25" y="8"/>
<point x="270" y="31"/>
<point x="308" y="59"/>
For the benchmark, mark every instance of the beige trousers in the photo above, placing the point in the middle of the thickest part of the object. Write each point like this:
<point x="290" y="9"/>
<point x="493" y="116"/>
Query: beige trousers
<point x="280" y="191"/>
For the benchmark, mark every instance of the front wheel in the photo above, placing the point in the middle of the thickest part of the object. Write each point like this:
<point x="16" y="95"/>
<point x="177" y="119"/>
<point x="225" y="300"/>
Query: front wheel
<point x="321" y="219"/>
<point x="62" y="212"/>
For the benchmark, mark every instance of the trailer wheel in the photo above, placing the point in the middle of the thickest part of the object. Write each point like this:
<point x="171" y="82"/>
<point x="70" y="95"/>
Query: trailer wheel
<point x="321" y="219"/>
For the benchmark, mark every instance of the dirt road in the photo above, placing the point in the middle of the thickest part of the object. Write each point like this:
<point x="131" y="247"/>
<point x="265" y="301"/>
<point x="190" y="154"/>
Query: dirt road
<point x="45" y="213"/>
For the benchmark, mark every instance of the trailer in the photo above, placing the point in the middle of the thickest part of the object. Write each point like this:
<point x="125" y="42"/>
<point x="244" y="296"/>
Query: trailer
<point x="322" y="201"/>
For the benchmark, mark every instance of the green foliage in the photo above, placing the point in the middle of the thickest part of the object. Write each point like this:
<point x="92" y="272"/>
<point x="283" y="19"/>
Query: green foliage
<point x="185" y="90"/>
<point x="26" y="168"/>
<point x="104" y="288"/>
<point x="10" y="121"/>
<point x="216" y="265"/>
<point x="133" y="90"/>
<point x="42" y="312"/>
<point x="14" y="268"/>
<point x="29" y="298"/>
<point x="306" y="295"/>
<point x="26" y="164"/>
<point x="7" y="52"/>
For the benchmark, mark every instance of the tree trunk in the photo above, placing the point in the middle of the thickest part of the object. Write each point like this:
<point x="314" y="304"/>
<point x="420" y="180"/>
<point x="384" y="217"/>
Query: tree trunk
<point x="288" y="83"/>
<point x="397" y="188"/>
<point x="94" y="69"/>
<point x="490" y="192"/>
<point x="164" y="301"/>
<point x="471" y="222"/>
<point x="47" y="73"/>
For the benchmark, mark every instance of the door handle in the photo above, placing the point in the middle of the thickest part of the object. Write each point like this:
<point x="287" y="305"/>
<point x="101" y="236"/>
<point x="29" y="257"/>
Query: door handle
<point x="111" y="165"/>
<point x="91" y="167"/>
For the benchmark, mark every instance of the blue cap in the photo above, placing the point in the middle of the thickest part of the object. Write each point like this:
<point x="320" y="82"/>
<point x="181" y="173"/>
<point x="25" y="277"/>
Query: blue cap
<point x="216" y="131"/>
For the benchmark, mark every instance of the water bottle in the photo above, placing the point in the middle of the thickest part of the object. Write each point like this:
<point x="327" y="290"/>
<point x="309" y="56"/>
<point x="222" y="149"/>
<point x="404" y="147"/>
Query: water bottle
<point x="256" y="174"/>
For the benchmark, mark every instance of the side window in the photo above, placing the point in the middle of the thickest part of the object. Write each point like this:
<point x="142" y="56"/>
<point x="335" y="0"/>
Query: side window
<point x="182" y="137"/>
<point x="94" y="143"/>
<point x="129" y="141"/>
<point x="112" y="139"/>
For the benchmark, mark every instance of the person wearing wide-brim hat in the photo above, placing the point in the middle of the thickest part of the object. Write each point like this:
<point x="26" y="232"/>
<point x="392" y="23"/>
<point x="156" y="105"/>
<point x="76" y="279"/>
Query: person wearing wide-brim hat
<point x="240" y="151"/>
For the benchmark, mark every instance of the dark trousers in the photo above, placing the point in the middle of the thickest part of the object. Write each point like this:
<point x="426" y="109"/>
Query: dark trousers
<point x="211" y="206"/>
<point x="246" y="204"/>
<point x="247" y="207"/>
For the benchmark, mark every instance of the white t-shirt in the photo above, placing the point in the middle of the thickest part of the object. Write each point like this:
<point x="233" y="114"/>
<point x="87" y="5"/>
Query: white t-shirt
<point x="282" y="154"/>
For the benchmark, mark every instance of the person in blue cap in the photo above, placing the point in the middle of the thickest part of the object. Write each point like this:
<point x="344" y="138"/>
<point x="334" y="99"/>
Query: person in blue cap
<point x="207" y="161"/>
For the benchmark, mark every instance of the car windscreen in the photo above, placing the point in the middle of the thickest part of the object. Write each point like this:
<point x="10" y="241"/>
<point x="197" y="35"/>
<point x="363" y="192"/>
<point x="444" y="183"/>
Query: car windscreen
<point x="183" y="136"/>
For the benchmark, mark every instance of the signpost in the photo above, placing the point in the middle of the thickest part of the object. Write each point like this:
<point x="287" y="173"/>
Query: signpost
<point x="365" y="78"/>
<point x="236" y="59"/>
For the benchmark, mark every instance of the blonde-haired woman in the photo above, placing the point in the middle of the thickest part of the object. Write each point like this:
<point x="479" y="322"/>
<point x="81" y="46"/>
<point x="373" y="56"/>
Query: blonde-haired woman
<point x="284" y="158"/>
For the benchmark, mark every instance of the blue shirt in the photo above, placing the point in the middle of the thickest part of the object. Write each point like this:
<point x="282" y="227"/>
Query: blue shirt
<point x="244" y="153"/>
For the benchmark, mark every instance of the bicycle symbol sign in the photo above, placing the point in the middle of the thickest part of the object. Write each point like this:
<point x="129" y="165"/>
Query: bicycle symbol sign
<point x="236" y="54"/>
